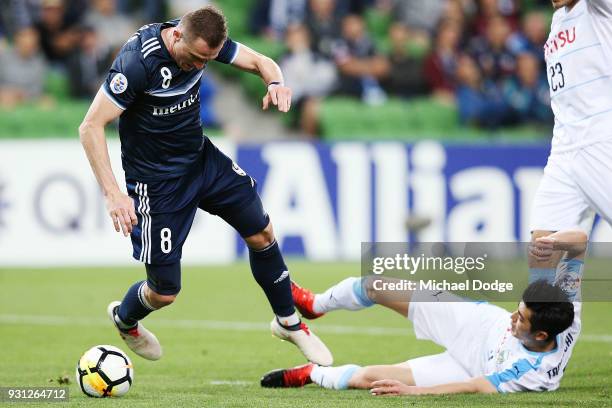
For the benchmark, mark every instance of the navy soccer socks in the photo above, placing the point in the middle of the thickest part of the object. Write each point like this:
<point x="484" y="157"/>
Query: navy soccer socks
<point x="134" y="307"/>
<point x="272" y="275"/>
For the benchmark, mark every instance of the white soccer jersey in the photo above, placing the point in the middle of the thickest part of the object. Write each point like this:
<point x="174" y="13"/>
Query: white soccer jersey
<point x="510" y="367"/>
<point x="579" y="69"/>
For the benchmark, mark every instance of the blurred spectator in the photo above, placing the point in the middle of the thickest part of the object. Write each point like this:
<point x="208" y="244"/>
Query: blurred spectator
<point x="527" y="93"/>
<point x="479" y="100"/>
<point x="113" y="29"/>
<point x="271" y="18"/>
<point x="441" y="64"/>
<point x="324" y="21"/>
<point x="360" y="65"/>
<point x="18" y="14"/>
<point x="533" y="35"/>
<point x="359" y="6"/>
<point x="58" y="33"/>
<point x="14" y="15"/>
<point x="179" y="8"/>
<point x="88" y="64"/>
<point x="492" y="52"/>
<point x="309" y="76"/>
<point x="147" y="11"/>
<point x="3" y="40"/>
<point x="455" y="11"/>
<point x="406" y="76"/>
<point x="22" y="70"/>
<point x="419" y="14"/>
<point x="489" y="9"/>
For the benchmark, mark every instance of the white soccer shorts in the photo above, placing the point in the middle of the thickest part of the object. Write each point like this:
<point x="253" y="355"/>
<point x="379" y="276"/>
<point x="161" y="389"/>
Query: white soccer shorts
<point x="576" y="185"/>
<point x="461" y="326"/>
<point x="436" y="369"/>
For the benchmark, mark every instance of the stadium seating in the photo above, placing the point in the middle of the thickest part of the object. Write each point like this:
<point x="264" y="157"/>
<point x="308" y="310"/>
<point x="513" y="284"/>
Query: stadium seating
<point x="342" y="118"/>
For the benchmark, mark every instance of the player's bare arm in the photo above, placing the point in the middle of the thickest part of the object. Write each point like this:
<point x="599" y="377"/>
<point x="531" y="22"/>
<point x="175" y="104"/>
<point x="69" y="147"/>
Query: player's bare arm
<point x="394" y="387"/>
<point x="573" y="242"/>
<point x="278" y="94"/>
<point x="119" y="205"/>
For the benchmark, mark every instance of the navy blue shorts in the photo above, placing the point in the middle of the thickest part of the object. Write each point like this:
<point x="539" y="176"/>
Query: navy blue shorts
<point x="166" y="208"/>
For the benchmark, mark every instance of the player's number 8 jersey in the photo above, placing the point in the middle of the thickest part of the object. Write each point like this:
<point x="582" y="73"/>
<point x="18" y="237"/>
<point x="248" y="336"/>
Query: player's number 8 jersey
<point x="160" y="128"/>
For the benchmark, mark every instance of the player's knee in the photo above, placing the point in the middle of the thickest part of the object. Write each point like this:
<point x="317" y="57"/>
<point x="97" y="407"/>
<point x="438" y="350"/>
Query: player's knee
<point x="361" y="378"/>
<point x="262" y="239"/>
<point x="365" y="376"/>
<point x="378" y="296"/>
<point x="158" y="301"/>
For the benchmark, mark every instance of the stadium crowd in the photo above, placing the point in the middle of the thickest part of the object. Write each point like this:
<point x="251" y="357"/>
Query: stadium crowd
<point x="485" y="56"/>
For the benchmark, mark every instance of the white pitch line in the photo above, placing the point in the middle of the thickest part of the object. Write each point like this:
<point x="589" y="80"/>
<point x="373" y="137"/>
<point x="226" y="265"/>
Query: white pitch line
<point x="230" y="382"/>
<point x="47" y="320"/>
<point x="596" y="338"/>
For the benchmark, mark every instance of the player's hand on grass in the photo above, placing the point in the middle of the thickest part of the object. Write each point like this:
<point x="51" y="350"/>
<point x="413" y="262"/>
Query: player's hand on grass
<point x="279" y="96"/>
<point x="392" y="387"/>
<point x="542" y="248"/>
<point x="121" y="210"/>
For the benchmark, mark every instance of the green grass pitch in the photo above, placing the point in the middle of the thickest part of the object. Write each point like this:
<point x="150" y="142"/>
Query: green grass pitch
<point x="217" y="344"/>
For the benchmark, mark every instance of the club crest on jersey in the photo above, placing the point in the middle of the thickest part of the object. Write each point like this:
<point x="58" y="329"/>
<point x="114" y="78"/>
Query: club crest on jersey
<point x="118" y="84"/>
<point x="502" y="356"/>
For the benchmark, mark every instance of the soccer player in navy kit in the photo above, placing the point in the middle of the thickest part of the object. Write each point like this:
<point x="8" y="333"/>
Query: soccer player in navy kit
<point x="171" y="170"/>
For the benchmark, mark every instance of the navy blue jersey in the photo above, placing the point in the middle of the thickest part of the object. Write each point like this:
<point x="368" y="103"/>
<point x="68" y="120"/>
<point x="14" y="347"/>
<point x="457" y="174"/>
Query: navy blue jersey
<point x="160" y="128"/>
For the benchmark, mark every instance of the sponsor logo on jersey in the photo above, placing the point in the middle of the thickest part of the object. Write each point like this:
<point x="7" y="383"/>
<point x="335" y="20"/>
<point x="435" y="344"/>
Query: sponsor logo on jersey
<point x="560" y="40"/>
<point x="118" y="84"/>
<point x="169" y="110"/>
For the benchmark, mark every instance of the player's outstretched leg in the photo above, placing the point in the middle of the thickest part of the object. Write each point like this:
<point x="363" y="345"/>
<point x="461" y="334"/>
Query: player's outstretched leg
<point x="348" y="294"/>
<point x="351" y="294"/>
<point x="138" y="302"/>
<point x="336" y="378"/>
<point x="303" y="299"/>
<point x="272" y="275"/>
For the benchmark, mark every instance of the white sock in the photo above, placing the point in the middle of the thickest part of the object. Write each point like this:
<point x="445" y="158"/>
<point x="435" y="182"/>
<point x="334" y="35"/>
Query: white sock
<point x="348" y="295"/>
<point x="335" y="378"/>
<point x="287" y="321"/>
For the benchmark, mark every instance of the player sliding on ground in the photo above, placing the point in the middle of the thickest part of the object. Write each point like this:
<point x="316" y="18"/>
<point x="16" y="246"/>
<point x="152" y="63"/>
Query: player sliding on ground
<point x="171" y="170"/>
<point x="488" y="349"/>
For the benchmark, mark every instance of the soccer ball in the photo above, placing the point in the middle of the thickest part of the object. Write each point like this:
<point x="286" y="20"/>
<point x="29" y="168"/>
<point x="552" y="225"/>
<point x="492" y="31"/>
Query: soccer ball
<point x="104" y="371"/>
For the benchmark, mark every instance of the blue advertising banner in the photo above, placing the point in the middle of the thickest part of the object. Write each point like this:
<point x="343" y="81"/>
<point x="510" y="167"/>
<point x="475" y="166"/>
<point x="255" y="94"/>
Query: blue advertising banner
<point x="324" y="199"/>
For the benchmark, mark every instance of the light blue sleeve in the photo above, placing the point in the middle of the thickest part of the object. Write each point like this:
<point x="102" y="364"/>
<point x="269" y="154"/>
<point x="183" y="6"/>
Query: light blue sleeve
<point x="519" y="377"/>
